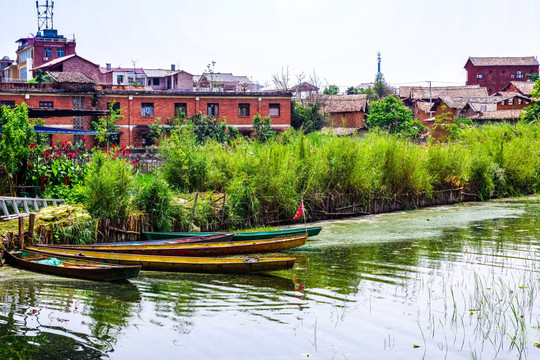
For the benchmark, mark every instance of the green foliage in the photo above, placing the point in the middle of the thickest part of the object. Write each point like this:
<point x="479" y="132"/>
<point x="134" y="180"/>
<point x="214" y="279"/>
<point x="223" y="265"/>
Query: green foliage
<point x="307" y="118"/>
<point x="532" y="113"/>
<point x="331" y="90"/>
<point x="532" y="77"/>
<point x="72" y="195"/>
<point x="380" y="88"/>
<point x="154" y="198"/>
<point x="208" y="128"/>
<point x="185" y="167"/>
<point x="352" y="90"/>
<point x="262" y="128"/>
<point x="40" y="78"/>
<point x="108" y="185"/>
<point x="107" y="126"/>
<point x="16" y="137"/>
<point x="390" y="115"/>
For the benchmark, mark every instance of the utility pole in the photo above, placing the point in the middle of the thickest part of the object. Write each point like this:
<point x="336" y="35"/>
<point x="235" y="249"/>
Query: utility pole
<point x="430" y="101"/>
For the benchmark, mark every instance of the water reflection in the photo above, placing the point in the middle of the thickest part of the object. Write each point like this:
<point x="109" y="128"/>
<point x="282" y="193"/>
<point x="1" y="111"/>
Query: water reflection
<point x="443" y="282"/>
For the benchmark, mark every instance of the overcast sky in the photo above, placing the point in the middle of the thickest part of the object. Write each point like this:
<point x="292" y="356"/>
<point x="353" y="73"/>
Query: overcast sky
<point x="419" y="40"/>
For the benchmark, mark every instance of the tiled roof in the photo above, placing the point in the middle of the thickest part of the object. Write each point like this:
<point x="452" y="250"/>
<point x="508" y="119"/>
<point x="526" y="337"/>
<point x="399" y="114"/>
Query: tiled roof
<point x="61" y="60"/>
<point x="157" y="72"/>
<point x="524" y="87"/>
<point x="460" y="102"/>
<point x="305" y="86"/>
<point x="70" y="77"/>
<point x="422" y="92"/>
<point x="123" y="69"/>
<point x="504" y="61"/>
<point x="344" y="103"/>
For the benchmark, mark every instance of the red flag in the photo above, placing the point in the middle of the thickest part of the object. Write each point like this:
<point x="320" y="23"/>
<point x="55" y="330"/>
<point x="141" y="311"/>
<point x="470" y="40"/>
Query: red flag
<point x="300" y="210"/>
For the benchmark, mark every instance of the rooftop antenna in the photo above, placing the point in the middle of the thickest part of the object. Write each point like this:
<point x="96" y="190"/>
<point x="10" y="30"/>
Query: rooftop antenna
<point x="45" y="15"/>
<point x="379" y="62"/>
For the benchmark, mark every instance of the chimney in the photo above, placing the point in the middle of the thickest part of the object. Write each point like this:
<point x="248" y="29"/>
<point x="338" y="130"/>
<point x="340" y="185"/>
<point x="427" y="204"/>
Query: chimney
<point x="173" y="67"/>
<point x="108" y="66"/>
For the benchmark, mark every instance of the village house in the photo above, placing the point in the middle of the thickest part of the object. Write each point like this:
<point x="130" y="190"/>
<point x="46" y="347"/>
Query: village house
<point x="346" y="111"/>
<point x="524" y="88"/>
<point x="494" y="73"/>
<point x="222" y="82"/>
<point x="73" y="63"/>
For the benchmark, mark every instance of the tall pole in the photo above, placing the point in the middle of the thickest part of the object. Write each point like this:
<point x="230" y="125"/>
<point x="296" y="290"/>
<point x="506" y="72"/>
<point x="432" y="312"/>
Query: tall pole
<point x="430" y="101"/>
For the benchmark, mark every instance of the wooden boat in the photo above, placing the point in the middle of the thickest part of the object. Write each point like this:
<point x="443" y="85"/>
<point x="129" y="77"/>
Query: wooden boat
<point x="198" y="249"/>
<point x="242" y="236"/>
<point x="176" y="263"/>
<point x="166" y="242"/>
<point x="73" y="268"/>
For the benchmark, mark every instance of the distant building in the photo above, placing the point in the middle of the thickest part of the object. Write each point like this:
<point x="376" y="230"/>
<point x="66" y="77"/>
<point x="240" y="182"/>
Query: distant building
<point x="123" y="76"/>
<point x="5" y="63"/>
<point x="523" y="87"/>
<point x="345" y="111"/>
<point x="73" y="63"/>
<point x="36" y="51"/>
<point x="494" y="73"/>
<point x="222" y="82"/>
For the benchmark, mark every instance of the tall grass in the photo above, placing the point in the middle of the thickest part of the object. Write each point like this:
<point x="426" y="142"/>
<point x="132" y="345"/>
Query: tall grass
<point x="269" y="179"/>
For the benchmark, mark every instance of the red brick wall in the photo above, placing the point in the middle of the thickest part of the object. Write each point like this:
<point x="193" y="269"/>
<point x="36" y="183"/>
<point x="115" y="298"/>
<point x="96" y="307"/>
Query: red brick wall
<point x="516" y="104"/>
<point x="496" y="77"/>
<point x="76" y="64"/>
<point x="39" y="50"/>
<point x="349" y="120"/>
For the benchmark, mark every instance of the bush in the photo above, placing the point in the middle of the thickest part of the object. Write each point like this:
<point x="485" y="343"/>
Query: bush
<point x="108" y="185"/>
<point x="154" y="198"/>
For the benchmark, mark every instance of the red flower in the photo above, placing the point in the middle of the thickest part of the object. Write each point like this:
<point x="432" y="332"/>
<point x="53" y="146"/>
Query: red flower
<point x="113" y="145"/>
<point x="83" y="138"/>
<point x="64" y="143"/>
<point x="32" y="146"/>
<point x="52" y="147"/>
<point x="57" y="154"/>
<point x="29" y="164"/>
<point x="46" y="153"/>
<point x="76" y="151"/>
<point x="133" y="162"/>
<point x="123" y="148"/>
<point x="70" y="155"/>
<point x="105" y="148"/>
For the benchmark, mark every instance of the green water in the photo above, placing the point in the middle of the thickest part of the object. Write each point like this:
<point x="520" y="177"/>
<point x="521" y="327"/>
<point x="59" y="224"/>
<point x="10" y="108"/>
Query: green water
<point x="457" y="282"/>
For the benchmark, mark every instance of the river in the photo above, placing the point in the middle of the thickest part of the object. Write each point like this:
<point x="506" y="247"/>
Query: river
<point x="453" y="282"/>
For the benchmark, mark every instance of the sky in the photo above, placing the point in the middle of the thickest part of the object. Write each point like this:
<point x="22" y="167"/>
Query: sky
<point x="338" y="40"/>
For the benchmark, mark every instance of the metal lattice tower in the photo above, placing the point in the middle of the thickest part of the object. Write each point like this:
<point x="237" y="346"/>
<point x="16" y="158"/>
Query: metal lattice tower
<point x="379" y="62"/>
<point x="45" y="15"/>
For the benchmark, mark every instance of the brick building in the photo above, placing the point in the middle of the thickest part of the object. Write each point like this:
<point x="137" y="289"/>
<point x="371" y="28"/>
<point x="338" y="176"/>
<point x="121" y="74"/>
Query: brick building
<point x="74" y="63"/>
<point x="494" y="73"/>
<point x="141" y="108"/>
<point x="347" y="111"/>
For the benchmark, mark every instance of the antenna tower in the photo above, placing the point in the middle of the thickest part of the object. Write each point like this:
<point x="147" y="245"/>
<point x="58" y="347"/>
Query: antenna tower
<point x="379" y="62"/>
<point x="45" y="15"/>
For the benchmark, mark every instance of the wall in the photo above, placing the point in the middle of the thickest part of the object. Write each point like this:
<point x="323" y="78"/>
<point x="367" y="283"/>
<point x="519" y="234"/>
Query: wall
<point x="347" y="119"/>
<point x="499" y="77"/>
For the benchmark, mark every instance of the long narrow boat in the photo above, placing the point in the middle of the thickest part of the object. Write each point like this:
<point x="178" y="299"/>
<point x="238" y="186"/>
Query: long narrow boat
<point x="179" y="264"/>
<point x="198" y="249"/>
<point x="165" y="242"/>
<point x="73" y="268"/>
<point x="242" y="236"/>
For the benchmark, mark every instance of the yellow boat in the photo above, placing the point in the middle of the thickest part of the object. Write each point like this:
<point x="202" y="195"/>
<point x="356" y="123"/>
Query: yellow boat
<point x="195" y="249"/>
<point x="177" y="263"/>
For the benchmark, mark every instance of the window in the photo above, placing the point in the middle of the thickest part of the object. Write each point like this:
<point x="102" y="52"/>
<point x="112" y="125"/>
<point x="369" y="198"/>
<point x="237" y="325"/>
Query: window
<point x="46" y="104"/>
<point x="503" y="102"/>
<point x="60" y="52"/>
<point x="512" y="76"/>
<point x="479" y="76"/>
<point x="483" y="107"/>
<point x="490" y="72"/>
<point x="180" y="108"/>
<point x="504" y="72"/>
<point x="10" y="104"/>
<point x="115" y="106"/>
<point x="147" y="109"/>
<point x="119" y="79"/>
<point x="25" y="55"/>
<point x="510" y="101"/>
<point x="23" y="74"/>
<point x="520" y="101"/>
<point x="275" y="109"/>
<point x="243" y="109"/>
<point x="149" y="82"/>
<point x="519" y="76"/>
<point x="212" y="110"/>
<point x="48" y="52"/>
<point x="518" y="72"/>
<point x="155" y="81"/>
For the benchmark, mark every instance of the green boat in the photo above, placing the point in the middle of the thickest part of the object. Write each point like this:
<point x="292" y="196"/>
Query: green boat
<point x="243" y="236"/>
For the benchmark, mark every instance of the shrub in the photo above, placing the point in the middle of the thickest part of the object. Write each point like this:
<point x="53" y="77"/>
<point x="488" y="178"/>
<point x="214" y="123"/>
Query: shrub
<point x="154" y="198"/>
<point x="108" y="184"/>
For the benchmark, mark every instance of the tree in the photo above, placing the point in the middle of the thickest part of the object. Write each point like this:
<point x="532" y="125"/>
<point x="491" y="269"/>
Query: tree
<point x="353" y="90"/>
<point x="331" y="90"/>
<point x="282" y="79"/>
<point x="307" y="117"/>
<point x="105" y="126"/>
<point x="262" y="128"/>
<point x="40" y="78"/>
<point x="381" y="88"/>
<point x="390" y="115"/>
<point x="532" y="113"/>
<point x="16" y="138"/>
<point x="533" y="77"/>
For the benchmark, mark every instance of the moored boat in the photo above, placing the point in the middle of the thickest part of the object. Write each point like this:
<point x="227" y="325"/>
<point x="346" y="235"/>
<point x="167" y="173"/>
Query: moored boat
<point x="241" y="236"/>
<point x="218" y="237"/>
<point x="178" y="264"/>
<point x="199" y="249"/>
<point x="73" y="268"/>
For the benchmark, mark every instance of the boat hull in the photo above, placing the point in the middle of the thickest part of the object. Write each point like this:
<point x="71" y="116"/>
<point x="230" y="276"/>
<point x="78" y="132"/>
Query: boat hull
<point x="202" y="249"/>
<point x="179" y="264"/>
<point x="260" y="235"/>
<point x="79" y="269"/>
